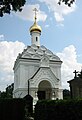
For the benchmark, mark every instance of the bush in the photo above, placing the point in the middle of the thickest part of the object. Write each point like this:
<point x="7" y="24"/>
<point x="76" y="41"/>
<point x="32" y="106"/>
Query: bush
<point x="58" y="110"/>
<point x="12" y="109"/>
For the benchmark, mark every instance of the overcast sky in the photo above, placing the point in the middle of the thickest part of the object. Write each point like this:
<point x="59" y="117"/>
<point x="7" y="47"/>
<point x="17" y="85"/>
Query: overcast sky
<point x="61" y="33"/>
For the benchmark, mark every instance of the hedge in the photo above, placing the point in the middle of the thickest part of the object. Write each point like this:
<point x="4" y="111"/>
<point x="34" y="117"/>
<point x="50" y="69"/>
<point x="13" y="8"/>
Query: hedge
<point x="58" y="110"/>
<point x="12" y="109"/>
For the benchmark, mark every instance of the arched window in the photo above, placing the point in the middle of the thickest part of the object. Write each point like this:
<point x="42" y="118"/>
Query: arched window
<point x="36" y="39"/>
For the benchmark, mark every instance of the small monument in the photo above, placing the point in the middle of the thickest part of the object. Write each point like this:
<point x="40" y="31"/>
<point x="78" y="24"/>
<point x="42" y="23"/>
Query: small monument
<point x="76" y="85"/>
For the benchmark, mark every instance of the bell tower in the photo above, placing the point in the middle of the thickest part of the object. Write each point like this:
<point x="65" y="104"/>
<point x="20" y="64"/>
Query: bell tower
<point x="35" y="31"/>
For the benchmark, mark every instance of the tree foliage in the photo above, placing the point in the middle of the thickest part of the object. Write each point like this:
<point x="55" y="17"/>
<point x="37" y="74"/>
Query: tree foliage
<point x="8" y="93"/>
<point x="66" y="94"/>
<point x="67" y="2"/>
<point x="6" y="6"/>
<point x="80" y="74"/>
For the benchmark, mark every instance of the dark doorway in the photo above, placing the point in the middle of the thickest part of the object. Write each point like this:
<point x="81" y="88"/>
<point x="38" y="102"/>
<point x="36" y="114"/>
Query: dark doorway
<point x="44" y="90"/>
<point x="41" y="95"/>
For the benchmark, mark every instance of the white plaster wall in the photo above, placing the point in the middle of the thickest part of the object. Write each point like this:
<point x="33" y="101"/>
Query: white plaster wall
<point x="33" y="38"/>
<point x="22" y="76"/>
<point x="20" y="93"/>
<point x="16" y="78"/>
<point x="26" y="71"/>
<point x="56" y="69"/>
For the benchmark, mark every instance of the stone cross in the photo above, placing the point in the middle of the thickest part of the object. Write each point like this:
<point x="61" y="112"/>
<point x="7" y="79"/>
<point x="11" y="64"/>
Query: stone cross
<point x="75" y="73"/>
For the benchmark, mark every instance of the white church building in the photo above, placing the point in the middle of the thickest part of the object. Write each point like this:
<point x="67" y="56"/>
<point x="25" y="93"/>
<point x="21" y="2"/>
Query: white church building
<point x="37" y="70"/>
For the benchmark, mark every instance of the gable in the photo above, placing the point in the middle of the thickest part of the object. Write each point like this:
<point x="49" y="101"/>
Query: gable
<point x="44" y="61"/>
<point x="48" y="52"/>
<point x="26" y="55"/>
<point x="31" y="51"/>
<point x="44" y="73"/>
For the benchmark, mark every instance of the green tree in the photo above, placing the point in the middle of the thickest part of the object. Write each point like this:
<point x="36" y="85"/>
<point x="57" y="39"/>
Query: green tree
<point x="8" y="93"/>
<point x="67" y="2"/>
<point x="6" y="6"/>
<point x="80" y="74"/>
<point x="3" y="94"/>
<point x="66" y="94"/>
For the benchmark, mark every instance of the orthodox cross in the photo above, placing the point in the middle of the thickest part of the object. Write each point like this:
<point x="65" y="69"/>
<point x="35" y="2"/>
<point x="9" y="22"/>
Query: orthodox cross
<point x="35" y="10"/>
<point x="75" y="73"/>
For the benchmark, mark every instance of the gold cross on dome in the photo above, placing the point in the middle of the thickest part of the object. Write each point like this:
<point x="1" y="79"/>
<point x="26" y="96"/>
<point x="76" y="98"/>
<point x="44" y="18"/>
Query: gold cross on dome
<point x="35" y="10"/>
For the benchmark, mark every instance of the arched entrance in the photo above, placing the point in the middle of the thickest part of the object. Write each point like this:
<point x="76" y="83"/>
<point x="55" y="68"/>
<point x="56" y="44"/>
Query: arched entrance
<point x="44" y="90"/>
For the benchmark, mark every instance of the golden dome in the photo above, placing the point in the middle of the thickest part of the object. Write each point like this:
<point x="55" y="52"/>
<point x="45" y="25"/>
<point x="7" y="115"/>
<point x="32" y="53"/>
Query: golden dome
<point x="35" y="27"/>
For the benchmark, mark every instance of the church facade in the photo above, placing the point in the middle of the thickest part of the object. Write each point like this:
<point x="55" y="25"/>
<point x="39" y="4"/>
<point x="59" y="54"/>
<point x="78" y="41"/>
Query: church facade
<point x="37" y="70"/>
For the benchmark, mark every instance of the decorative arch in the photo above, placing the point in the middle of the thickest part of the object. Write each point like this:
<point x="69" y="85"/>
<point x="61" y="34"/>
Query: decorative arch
<point x="44" y="90"/>
<point x="37" y="82"/>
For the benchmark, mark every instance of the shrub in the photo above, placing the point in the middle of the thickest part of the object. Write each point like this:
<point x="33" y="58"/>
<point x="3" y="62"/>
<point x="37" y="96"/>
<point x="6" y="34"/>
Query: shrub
<point x="58" y="110"/>
<point x="12" y="109"/>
